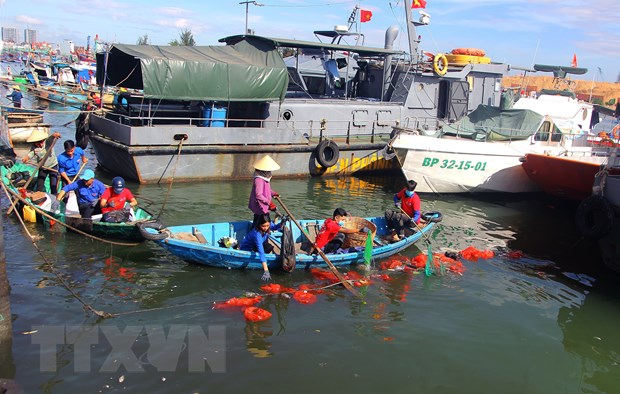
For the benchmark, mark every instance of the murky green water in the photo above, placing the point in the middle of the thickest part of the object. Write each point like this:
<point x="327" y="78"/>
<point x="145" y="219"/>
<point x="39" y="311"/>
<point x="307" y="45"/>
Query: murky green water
<point x="542" y="323"/>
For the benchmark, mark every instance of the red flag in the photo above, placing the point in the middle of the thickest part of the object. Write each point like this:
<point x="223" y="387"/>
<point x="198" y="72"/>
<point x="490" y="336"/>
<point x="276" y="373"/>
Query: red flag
<point x="574" y="62"/>
<point x="418" y="4"/>
<point x="365" y="15"/>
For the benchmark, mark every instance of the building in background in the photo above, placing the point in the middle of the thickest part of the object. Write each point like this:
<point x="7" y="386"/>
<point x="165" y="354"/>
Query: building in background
<point x="30" y="36"/>
<point x="9" y="34"/>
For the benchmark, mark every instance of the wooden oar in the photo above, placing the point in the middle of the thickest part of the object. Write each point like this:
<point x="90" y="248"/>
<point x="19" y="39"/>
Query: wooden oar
<point x="49" y="150"/>
<point x="331" y="266"/>
<point x="79" y="171"/>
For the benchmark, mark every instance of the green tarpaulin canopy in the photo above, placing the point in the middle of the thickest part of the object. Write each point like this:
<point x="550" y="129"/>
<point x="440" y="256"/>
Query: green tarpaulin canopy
<point x="491" y="123"/>
<point x="250" y="70"/>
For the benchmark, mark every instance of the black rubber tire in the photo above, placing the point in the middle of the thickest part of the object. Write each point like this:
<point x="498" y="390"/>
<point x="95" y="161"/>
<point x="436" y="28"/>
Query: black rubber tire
<point x="327" y="153"/>
<point x="594" y="217"/>
<point x="142" y="226"/>
<point x="432" y="216"/>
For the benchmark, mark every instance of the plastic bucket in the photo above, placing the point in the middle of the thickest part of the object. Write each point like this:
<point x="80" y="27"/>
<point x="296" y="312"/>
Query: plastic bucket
<point x="218" y="116"/>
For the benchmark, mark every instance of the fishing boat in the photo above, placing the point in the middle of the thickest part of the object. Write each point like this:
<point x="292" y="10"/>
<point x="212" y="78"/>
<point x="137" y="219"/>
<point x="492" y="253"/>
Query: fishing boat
<point x="37" y="207"/>
<point x="200" y="243"/>
<point x="483" y="151"/>
<point x="330" y="113"/>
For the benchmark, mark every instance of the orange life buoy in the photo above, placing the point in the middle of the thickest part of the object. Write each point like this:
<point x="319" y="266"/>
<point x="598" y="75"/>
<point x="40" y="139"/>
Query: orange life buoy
<point x="615" y="133"/>
<point x="468" y="51"/>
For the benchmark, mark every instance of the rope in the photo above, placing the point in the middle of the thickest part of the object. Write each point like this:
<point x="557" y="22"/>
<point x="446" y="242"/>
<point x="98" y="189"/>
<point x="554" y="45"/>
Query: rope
<point x="163" y="205"/>
<point x="216" y="301"/>
<point x="53" y="269"/>
<point x="45" y="214"/>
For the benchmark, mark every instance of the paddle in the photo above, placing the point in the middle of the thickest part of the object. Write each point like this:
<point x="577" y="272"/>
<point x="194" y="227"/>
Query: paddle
<point x="331" y="266"/>
<point x="49" y="150"/>
<point x="428" y="269"/>
<point x="79" y="171"/>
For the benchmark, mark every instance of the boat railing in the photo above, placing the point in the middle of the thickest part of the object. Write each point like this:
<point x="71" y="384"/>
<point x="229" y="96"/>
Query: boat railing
<point x="344" y="130"/>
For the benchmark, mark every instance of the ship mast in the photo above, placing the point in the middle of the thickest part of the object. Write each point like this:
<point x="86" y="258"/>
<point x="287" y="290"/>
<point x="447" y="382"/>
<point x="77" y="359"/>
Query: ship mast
<point x="411" y="32"/>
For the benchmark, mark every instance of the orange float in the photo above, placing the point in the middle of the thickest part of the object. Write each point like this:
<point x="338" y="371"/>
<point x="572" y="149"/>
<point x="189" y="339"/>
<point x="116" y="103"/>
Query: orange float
<point x="468" y="51"/>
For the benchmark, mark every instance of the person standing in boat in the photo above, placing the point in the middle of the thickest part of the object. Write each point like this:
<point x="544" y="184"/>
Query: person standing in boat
<point x="114" y="199"/>
<point x="88" y="191"/>
<point x="70" y="161"/>
<point x="332" y="233"/>
<point x="16" y="97"/>
<point x="257" y="240"/>
<point x="40" y="144"/>
<point x="260" y="197"/>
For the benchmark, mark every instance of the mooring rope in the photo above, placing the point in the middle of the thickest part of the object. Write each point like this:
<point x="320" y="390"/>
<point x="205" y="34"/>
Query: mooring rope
<point x="174" y="170"/>
<point x="86" y="305"/>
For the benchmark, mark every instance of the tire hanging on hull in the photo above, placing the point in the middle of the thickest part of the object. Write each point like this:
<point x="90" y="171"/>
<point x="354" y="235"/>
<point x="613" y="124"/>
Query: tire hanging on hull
<point x="327" y="153"/>
<point x="594" y="217"/>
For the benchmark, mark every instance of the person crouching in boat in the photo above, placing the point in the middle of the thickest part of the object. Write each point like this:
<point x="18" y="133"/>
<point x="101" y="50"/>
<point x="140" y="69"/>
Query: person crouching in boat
<point x="257" y="240"/>
<point x="332" y="234"/>
<point x="408" y="204"/>
<point x="113" y="202"/>
<point x="88" y="191"/>
<point x="40" y="144"/>
<point x="260" y="197"/>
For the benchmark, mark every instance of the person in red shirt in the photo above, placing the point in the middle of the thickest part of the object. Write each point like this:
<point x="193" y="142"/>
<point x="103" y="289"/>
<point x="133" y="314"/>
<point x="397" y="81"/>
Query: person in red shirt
<point x="114" y="198"/>
<point x="331" y="235"/>
<point x="409" y="201"/>
<point x="408" y="215"/>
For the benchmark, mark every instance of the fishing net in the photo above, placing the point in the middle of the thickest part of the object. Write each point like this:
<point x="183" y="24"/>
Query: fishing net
<point x="287" y="249"/>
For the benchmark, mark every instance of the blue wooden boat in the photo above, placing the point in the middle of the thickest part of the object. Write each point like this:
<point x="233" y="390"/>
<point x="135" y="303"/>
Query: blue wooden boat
<point x="200" y="243"/>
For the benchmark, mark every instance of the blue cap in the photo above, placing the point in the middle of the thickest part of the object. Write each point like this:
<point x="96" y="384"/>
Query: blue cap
<point x="88" y="174"/>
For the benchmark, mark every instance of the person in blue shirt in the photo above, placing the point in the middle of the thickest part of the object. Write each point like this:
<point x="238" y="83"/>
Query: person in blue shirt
<point x="16" y="97"/>
<point x="257" y="240"/>
<point x="88" y="191"/>
<point x="70" y="160"/>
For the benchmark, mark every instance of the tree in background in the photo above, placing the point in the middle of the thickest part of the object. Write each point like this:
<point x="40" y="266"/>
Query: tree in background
<point x="186" y="38"/>
<point x="143" y="40"/>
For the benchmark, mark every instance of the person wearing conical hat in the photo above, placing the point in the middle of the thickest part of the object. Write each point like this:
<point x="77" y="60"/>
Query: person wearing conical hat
<point x="260" y="197"/>
<point x="40" y="143"/>
<point x="16" y="97"/>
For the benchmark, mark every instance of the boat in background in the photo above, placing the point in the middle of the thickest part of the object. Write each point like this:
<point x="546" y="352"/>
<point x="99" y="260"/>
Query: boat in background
<point x="330" y="115"/>
<point x="483" y="151"/>
<point x="201" y="244"/>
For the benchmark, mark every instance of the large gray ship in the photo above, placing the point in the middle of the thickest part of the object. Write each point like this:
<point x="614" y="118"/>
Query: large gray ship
<point x="328" y="108"/>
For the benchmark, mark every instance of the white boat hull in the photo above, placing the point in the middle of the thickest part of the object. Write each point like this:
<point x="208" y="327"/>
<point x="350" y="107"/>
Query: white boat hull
<point x="456" y="165"/>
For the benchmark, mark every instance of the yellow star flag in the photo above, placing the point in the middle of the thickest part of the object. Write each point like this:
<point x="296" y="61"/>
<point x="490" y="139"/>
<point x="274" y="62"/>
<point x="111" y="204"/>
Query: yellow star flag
<point x="418" y="4"/>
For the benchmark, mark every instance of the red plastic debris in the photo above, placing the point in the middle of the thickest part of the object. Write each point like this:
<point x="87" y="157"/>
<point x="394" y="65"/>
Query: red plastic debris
<point x="322" y="274"/>
<point x="274" y="288"/>
<point x="253" y="313"/>
<point x="515" y="254"/>
<point x="303" y="297"/>
<point x="473" y="254"/>
<point x="234" y="302"/>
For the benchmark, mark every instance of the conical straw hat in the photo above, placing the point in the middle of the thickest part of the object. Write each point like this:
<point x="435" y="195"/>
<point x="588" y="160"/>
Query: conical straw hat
<point x="266" y="164"/>
<point x="37" y="135"/>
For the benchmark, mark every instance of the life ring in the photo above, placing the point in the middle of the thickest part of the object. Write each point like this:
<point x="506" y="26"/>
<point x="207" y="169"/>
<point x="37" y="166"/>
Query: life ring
<point x="594" y="217"/>
<point x="432" y="216"/>
<point x="440" y="64"/>
<point x="327" y="153"/>
<point x="159" y="235"/>
<point x="615" y="132"/>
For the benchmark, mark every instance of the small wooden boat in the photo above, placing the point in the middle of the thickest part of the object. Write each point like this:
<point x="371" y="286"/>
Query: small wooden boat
<point x="16" y="176"/>
<point x="200" y="243"/>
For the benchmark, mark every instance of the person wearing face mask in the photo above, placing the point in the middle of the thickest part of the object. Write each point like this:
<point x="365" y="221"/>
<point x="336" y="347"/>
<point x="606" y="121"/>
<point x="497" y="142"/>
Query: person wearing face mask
<point x="409" y="201"/>
<point x="260" y="197"/>
<point x="332" y="234"/>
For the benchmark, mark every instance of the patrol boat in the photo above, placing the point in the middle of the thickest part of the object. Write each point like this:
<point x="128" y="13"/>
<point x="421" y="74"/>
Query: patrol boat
<point x="209" y="112"/>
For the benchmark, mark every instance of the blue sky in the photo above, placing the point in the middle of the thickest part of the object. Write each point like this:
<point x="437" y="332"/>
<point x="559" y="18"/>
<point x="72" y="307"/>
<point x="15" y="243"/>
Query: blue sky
<point x="520" y="33"/>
